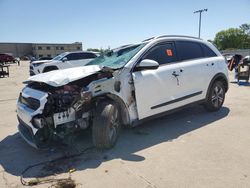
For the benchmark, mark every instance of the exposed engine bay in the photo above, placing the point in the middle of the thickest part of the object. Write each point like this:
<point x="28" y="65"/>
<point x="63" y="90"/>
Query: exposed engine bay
<point x="67" y="109"/>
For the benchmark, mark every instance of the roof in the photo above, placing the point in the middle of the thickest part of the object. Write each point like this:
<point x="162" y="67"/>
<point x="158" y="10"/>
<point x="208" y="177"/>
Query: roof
<point x="171" y="36"/>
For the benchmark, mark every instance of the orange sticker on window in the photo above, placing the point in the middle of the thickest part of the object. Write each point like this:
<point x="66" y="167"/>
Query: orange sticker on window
<point x="169" y="52"/>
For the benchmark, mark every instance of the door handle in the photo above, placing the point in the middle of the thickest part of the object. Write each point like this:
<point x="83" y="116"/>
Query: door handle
<point x="175" y="74"/>
<point x="212" y="64"/>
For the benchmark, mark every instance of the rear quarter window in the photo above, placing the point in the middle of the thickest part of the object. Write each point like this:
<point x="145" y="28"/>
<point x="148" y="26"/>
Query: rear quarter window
<point x="207" y="51"/>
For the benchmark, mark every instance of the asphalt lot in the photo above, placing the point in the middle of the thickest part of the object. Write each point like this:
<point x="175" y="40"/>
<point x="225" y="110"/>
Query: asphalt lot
<point x="190" y="148"/>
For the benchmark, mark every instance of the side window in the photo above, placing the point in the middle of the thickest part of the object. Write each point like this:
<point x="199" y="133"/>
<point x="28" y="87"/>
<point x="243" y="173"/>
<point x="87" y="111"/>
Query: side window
<point x="73" y="56"/>
<point x="87" y="55"/>
<point x="162" y="53"/>
<point x="188" y="50"/>
<point x="207" y="51"/>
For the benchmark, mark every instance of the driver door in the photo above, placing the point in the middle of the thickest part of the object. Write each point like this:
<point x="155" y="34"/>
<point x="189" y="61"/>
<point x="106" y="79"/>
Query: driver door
<point x="155" y="89"/>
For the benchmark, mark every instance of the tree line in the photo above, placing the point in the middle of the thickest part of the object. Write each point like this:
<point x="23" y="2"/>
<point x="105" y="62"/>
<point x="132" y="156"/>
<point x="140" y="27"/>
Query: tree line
<point x="233" y="38"/>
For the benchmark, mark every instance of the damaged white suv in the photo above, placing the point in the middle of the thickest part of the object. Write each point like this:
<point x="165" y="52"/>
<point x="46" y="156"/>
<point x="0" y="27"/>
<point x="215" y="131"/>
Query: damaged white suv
<point x="123" y="87"/>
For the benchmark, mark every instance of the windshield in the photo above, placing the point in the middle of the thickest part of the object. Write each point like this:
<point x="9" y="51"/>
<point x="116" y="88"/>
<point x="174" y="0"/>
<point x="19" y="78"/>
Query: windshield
<point x="117" y="58"/>
<point x="59" y="57"/>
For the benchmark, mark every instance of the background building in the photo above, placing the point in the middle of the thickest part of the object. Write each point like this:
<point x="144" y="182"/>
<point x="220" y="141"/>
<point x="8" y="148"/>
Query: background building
<point x="38" y="49"/>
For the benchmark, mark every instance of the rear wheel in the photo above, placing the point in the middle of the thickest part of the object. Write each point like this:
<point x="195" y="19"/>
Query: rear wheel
<point x="106" y="125"/>
<point x="216" y="97"/>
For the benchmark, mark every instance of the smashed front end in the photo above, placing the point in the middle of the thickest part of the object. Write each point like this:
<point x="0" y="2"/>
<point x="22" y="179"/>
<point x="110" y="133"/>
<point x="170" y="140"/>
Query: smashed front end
<point x="49" y="110"/>
<point x="45" y="115"/>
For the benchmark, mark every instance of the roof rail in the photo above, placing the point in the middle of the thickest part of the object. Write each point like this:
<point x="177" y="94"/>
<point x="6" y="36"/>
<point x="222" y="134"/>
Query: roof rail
<point x="162" y="36"/>
<point x="148" y="39"/>
<point x="184" y="36"/>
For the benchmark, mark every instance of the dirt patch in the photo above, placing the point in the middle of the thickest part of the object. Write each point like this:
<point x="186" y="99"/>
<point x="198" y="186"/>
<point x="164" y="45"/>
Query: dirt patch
<point x="65" y="183"/>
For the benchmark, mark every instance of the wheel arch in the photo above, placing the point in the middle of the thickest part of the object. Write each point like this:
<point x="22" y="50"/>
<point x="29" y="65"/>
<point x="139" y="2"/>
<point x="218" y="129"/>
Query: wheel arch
<point x="218" y="77"/>
<point x="53" y="67"/>
<point x="121" y="105"/>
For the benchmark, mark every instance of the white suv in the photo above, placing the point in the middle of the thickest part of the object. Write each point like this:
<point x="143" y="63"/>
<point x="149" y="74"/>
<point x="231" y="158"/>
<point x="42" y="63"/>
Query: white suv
<point x="62" y="61"/>
<point x="124" y="87"/>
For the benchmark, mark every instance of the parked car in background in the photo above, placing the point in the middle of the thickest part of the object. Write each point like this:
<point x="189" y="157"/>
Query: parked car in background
<point x="40" y="58"/>
<point x="7" y="58"/>
<point x="62" y="61"/>
<point x="126" y="86"/>
<point x="44" y="58"/>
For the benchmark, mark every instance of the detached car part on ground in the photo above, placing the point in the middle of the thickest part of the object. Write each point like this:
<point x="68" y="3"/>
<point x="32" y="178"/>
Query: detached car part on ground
<point x="123" y="87"/>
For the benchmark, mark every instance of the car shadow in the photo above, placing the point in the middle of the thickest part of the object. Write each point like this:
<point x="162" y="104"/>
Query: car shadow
<point x="16" y="155"/>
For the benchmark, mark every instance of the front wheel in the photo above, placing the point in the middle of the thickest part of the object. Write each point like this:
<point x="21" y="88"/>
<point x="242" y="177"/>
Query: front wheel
<point x="106" y="125"/>
<point x="216" y="97"/>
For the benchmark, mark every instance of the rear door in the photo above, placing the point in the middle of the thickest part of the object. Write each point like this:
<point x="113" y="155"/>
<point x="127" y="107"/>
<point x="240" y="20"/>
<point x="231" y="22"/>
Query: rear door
<point x="195" y="74"/>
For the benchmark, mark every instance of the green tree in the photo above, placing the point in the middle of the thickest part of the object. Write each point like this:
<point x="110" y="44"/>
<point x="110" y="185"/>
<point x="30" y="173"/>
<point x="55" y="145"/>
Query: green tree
<point x="245" y="28"/>
<point x="230" y="38"/>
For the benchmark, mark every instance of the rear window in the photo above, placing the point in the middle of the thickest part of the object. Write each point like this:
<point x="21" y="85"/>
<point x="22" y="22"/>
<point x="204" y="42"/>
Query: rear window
<point x="188" y="50"/>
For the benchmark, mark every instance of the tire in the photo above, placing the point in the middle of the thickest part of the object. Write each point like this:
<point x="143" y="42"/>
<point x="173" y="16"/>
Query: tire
<point x="216" y="97"/>
<point x="106" y="125"/>
<point x="48" y="69"/>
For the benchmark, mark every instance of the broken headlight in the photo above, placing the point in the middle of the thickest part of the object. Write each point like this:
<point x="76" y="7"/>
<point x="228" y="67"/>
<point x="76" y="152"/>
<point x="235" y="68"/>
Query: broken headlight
<point x="38" y="122"/>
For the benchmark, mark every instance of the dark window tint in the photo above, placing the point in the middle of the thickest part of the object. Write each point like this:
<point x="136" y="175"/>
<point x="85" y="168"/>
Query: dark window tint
<point x="163" y="53"/>
<point x="207" y="51"/>
<point x="188" y="50"/>
<point x="87" y="55"/>
<point x="73" y="56"/>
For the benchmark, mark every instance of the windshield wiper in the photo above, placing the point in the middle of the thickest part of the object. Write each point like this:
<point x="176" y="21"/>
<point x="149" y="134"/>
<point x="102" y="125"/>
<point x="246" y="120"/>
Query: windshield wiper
<point x="107" y="69"/>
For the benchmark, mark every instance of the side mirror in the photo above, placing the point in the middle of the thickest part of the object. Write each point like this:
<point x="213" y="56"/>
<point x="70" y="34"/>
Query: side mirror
<point x="64" y="59"/>
<point x="147" y="64"/>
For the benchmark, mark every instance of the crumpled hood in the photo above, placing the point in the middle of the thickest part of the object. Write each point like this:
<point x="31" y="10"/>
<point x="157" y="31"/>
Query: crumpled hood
<point x="62" y="77"/>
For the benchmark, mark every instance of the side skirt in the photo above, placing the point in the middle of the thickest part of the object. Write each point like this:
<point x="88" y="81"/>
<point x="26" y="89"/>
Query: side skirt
<point x="138" y="122"/>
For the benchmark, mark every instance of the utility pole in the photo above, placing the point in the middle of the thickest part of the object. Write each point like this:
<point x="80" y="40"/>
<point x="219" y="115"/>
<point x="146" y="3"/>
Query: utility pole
<point x="200" y="11"/>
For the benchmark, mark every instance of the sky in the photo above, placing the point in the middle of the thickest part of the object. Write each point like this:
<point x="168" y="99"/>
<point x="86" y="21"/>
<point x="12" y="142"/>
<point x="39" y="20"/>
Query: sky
<point x="111" y="23"/>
